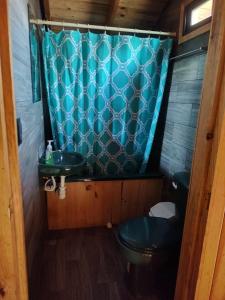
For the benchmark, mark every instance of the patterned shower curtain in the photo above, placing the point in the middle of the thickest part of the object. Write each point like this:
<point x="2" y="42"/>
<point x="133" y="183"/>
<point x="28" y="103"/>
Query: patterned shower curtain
<point x="104" y="95"/>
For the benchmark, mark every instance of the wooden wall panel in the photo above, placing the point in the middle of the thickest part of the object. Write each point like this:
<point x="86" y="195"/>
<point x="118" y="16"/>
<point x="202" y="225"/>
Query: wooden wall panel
<point x="122" y="13"/>
<point x="31" y="116"/>
<point x="13" y="271"/>
<point x="96" y="203"/>
<point x="212" y="260"/>
<point x="169" y="18"/>
<point x="209" y="129"/>
<point x="218" y="286"/>
<point x="138" y="13"/>
<point x="8" y="281"/>
<point x="182" y="115"/>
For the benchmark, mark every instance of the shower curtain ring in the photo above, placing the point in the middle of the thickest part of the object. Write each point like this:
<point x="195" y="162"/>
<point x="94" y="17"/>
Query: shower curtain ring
<point x="88" y="28"/>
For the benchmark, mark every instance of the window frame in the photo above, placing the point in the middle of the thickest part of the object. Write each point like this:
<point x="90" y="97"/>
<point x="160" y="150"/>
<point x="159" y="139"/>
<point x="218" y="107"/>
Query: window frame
<point x="187" y="27"/>
<point x="197" y="29"/>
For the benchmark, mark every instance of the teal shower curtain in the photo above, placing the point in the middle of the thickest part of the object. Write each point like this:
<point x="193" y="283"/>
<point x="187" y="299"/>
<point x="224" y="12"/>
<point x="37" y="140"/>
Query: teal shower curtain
<point x="104" y="95"/>
<point x="35" y="63"/>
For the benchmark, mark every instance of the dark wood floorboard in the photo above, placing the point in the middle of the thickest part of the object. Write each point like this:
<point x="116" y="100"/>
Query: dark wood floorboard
<point x="85" y="264"/>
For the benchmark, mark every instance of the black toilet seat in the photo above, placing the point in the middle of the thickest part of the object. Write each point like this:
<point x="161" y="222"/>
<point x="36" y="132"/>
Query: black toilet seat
<point x="148" y="234"/>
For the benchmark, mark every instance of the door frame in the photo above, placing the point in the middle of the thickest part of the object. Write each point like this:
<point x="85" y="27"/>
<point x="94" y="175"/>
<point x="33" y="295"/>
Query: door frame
<point x="13" y="270"/>
<point x="210" y="284"/>
<point x="204" y="214"/>
<point x="204" y="220"/>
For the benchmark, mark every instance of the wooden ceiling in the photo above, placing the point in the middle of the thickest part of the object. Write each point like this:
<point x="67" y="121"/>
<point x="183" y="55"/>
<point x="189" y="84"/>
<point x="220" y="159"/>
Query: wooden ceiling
<point x="122" y="13"/>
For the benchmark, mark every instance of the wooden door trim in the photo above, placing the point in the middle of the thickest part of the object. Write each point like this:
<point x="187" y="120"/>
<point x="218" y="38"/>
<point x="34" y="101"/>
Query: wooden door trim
<point x="203" y="169"/>
<point x="12" y="199"/>
<point x="218" y="287"/>
<point x="215" y="219"/>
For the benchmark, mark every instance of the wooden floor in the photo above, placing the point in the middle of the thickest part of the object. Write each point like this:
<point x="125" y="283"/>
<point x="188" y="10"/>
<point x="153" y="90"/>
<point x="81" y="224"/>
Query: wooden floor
<point x="85" y="264"/>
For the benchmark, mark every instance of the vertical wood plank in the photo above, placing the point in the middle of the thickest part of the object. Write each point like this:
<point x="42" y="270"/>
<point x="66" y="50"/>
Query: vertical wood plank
<point x="7" y="269"/>
<point x="218" y="286"/>
<point x="112" y="11"/>
<point x="13" y="274"/>
<point x="130" y="196"/>
<point x="204" y="159"/>
<point x="31" y="116"/>
<point x="108" y="197"/>
<point x="215" y="217"/>
<point x="150" y="193"/>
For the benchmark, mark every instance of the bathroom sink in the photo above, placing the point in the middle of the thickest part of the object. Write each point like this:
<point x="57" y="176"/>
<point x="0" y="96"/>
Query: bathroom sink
<point x="61" y="164"/>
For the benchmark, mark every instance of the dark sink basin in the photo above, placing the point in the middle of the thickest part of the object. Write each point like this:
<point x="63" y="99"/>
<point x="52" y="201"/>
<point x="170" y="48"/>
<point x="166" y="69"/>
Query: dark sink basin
<point x="61" y="164"/>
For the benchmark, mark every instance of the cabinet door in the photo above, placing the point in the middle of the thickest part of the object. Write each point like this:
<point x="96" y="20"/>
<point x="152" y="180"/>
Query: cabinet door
<point x="75" y="210"/>
<point x="138" y="196"/>
<point x="86" y="204"/>
<point x="130" y="199"/>
<point x="97" y="203"/>
<point x="150" y="193"/>
<point x="107" y="202"/>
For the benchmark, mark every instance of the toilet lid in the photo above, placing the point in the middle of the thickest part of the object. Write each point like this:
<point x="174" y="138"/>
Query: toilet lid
<point x="149" y="233"/>
<point x="165" y="210"/>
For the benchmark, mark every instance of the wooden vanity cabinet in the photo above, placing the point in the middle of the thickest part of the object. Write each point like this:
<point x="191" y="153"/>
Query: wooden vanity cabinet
<point x="138" y="196"/>
<point x="95" y="203"/>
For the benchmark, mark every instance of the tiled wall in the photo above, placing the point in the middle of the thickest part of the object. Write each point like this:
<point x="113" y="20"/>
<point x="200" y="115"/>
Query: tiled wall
<point x="31" y="115"/>
<point x="182" y="114"/>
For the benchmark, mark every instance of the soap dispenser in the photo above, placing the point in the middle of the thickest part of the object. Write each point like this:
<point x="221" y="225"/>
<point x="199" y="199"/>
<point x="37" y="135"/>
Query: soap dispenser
<point x="48" y="153"/>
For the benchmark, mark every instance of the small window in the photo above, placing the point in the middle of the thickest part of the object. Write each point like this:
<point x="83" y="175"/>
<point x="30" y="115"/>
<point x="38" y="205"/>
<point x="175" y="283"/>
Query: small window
<point x="197" y="14"/>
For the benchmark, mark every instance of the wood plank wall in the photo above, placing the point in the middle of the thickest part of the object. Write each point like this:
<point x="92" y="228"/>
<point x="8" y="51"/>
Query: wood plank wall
<point x="170" y="17"/>
<point x="182" y="114"/>
<point x="122" y="13"/>
<point x="182" y="98"/>
<point x="13" y="273"/>
<point x="32" y="124"/>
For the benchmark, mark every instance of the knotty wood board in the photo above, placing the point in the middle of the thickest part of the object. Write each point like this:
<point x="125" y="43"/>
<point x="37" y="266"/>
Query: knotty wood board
<point x="117" y="13"/>
<point x="209" y="129"/>
<point x="95" y="203"/>
<point x="13" y="273"/>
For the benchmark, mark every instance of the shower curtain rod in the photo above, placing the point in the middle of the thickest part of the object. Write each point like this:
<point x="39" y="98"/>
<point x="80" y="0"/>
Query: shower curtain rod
<point x="99" y="27"/>
<point x="189" y="53"/>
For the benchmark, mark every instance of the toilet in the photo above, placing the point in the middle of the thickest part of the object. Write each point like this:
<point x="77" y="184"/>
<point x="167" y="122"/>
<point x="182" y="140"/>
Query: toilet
<point x="150" y="240"/>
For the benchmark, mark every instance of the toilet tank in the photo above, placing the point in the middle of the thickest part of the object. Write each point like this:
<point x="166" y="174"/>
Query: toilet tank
<point x="180" y="186"/>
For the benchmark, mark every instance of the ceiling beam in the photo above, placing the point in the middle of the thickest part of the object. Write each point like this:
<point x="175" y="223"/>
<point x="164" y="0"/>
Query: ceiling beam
<point x="112" y="12"/>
